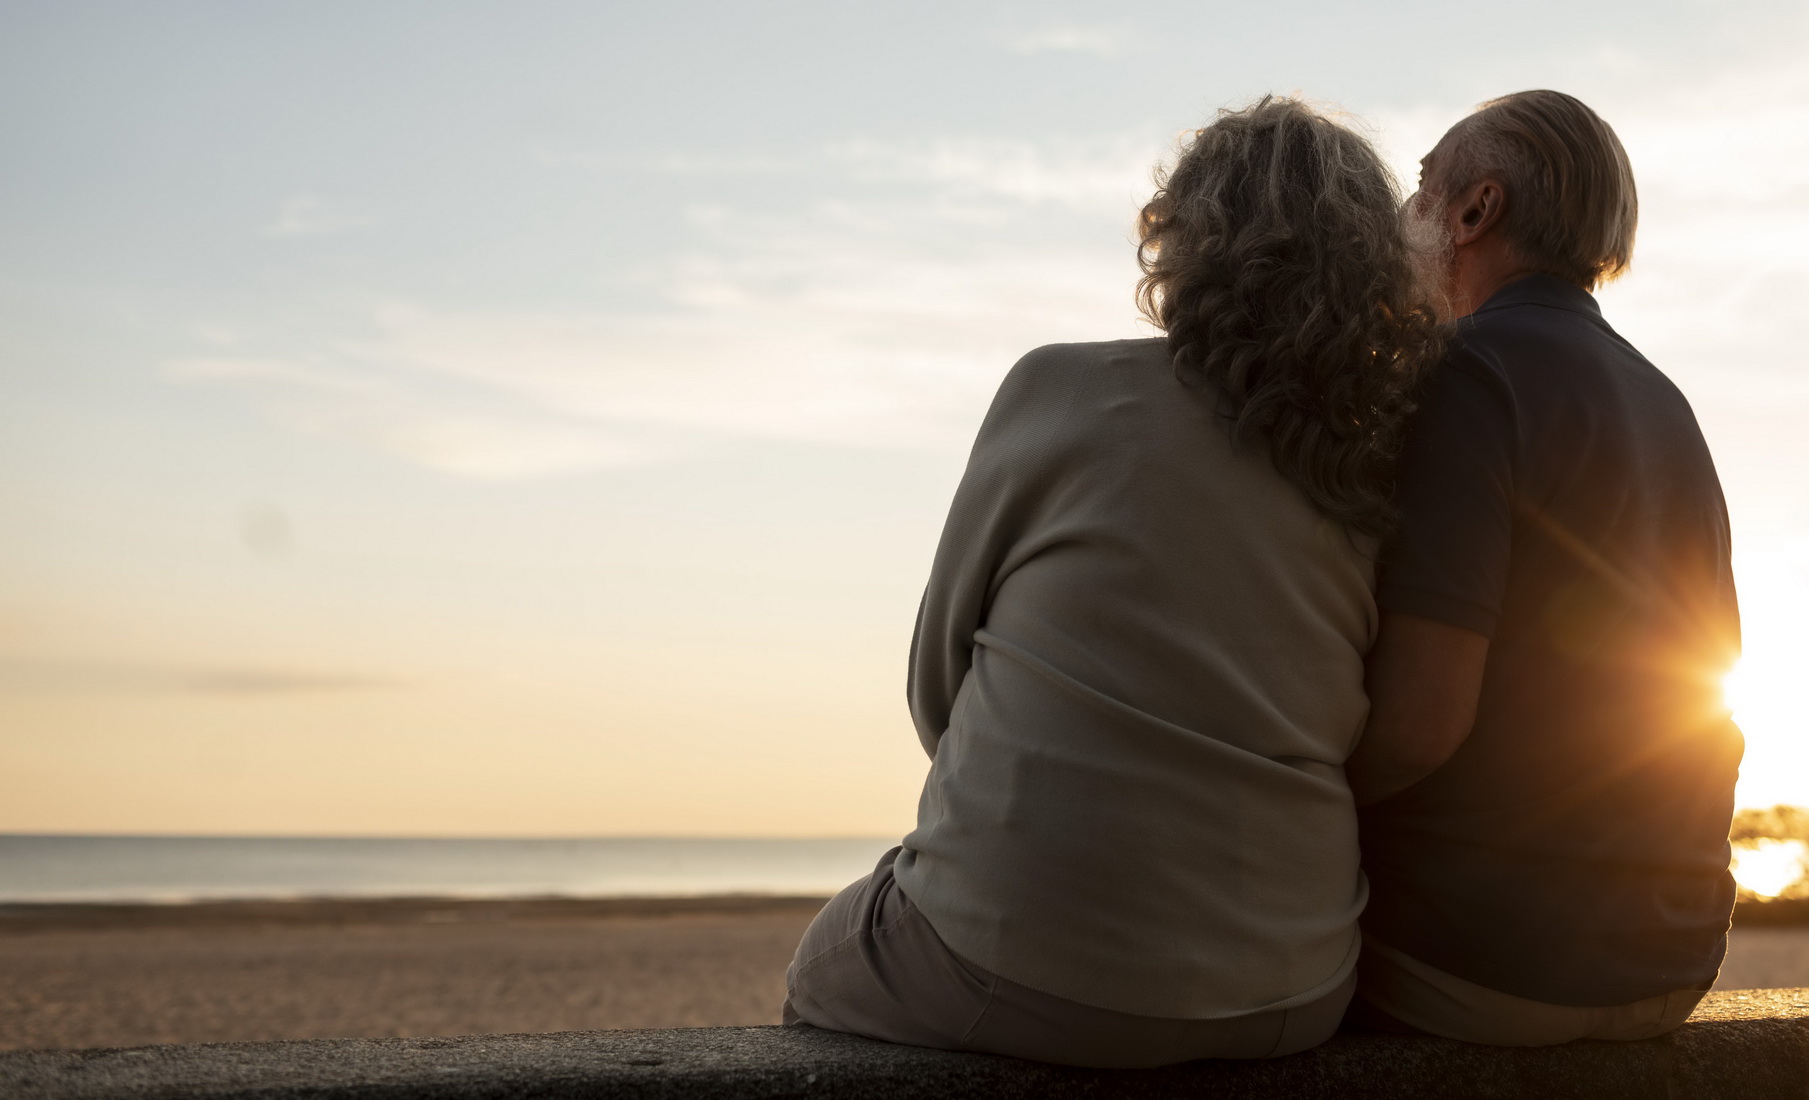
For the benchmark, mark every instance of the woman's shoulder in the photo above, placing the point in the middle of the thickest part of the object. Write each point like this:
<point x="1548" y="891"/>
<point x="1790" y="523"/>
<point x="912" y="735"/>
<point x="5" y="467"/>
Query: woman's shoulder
<point x="1086" y="402"/>
<point x="1058" y="372"/>
<point x="1046" y="405"/>
<point x="1056" y="357"/>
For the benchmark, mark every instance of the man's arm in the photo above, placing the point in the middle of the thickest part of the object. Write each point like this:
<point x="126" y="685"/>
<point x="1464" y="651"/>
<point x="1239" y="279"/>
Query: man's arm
<point x="1424" y="678"/>
<point x="1443" y="576"/>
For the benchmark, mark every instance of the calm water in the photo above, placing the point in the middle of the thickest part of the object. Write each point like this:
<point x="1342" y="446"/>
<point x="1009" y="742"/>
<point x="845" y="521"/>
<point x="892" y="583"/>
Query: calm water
<point x="97" y="868"/>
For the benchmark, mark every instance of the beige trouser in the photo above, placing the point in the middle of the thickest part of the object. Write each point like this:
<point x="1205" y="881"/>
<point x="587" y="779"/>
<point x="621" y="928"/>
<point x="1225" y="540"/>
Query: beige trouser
<point x="870" y="964"/>
<point x="1438" y="1003"/>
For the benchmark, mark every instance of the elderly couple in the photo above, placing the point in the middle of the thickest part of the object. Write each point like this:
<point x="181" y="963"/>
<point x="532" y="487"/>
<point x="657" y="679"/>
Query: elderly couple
<point x="1347" y="657"/>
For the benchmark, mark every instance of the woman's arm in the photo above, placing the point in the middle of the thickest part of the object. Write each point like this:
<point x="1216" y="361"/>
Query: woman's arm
<point x="1004" y="491"/>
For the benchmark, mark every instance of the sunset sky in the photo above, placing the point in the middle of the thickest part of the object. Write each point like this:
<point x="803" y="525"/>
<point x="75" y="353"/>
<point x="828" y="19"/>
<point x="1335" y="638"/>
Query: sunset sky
<point x="537" y="419"/>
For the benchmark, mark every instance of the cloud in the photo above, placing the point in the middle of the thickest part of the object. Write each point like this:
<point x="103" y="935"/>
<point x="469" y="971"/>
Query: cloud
<point x="311" y="216"/>
<point x="691" y="162"/>
<point x="1096" y="41"/>
<point x="460" y="433"/>
<point x="1722" y="261"/>
<point x="241" y="681"/>
<point x="98" y="677"/>
<point x="898" y="279"/>
<point x="801" y="338"/>
<point x="489" y="448"/>
<point x="243" y="370"/>
<point x="879" y="315"/>
<point x="1112" y="177"/>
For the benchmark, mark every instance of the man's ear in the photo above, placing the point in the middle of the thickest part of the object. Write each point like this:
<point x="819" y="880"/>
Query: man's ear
<point x="1477" y="210"/>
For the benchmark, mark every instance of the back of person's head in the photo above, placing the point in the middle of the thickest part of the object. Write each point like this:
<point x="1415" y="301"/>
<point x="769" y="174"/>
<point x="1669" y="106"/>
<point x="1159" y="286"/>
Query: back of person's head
<point x="1571" y="205"/>
<point x="1274" y="258"/>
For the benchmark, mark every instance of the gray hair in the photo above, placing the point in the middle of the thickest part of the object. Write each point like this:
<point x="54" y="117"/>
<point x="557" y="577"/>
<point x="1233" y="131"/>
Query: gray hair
<point x="1572" y="209"/>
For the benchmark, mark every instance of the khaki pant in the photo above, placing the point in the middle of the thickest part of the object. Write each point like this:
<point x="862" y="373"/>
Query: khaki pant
<point x="870" y="964"/>
<point x="1438" y="1003"/>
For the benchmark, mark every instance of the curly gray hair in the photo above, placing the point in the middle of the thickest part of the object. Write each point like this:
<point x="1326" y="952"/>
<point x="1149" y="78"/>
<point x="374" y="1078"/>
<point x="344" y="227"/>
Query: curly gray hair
<point x="1275" y="258"/>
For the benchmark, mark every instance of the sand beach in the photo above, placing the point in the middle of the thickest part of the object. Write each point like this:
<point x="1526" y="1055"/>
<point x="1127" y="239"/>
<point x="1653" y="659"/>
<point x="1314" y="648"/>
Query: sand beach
<point x="117" y="975"/>
<point x="84" y="976"/>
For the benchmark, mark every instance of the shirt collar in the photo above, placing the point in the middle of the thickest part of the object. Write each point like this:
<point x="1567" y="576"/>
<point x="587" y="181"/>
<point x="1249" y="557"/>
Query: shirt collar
<point x="1543" y="290"/>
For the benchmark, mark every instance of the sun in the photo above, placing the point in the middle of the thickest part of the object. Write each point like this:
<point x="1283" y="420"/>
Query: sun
<point x="1767" y="689"/>
<point x="1769" y="866"/>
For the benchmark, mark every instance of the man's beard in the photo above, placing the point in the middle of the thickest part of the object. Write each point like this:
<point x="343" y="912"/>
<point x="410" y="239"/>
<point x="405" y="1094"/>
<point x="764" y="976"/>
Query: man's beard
<point x="1430" y="251"/>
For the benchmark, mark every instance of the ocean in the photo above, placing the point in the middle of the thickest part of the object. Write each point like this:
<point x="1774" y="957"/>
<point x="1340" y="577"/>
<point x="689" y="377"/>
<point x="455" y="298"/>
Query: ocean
<point x="179" y="869"/>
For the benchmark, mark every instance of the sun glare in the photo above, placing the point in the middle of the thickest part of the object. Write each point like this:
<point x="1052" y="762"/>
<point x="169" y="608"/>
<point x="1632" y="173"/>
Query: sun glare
<point x="1765" y="690"/>
<point x="1768" y="867"/>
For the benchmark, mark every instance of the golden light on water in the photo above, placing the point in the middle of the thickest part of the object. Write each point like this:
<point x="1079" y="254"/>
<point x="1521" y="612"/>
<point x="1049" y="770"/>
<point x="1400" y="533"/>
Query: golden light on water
<point x="1768" y="867"/>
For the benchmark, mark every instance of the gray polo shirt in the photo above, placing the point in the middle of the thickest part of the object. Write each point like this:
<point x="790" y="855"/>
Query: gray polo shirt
<point x="1138" y="670"/>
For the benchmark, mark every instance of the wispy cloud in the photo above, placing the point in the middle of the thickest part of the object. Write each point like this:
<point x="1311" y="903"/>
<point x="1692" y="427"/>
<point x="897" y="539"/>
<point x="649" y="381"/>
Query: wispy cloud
<point x="496" y="448"/>
<point x="95" y="677"/>
<point x="882" y="318"/>
<point x="682" y="161"/>
<point x="312" y="216"/>
<point x="879" y="307"/>
<point x="1097" y="41"/>
<point x="1722" y="261"/>
<point x="391" y="402"/>
<point x="220" y="368"/>
<point x="1107" y="178"/>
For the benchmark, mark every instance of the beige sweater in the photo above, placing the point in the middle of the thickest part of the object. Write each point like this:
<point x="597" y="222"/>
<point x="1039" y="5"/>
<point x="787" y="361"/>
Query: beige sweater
<point x="1138" y="670"/>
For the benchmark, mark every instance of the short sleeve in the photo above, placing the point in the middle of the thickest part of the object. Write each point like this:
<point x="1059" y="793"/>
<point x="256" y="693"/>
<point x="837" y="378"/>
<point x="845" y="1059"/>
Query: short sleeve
<point x="1448" y="558"/>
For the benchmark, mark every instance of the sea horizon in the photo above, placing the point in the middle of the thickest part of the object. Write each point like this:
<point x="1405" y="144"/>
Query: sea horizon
<point x="39" y="868"/>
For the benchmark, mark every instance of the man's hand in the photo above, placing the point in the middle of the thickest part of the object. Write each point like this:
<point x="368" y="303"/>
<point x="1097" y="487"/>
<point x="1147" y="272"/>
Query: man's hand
<point x="1424" y="679"/>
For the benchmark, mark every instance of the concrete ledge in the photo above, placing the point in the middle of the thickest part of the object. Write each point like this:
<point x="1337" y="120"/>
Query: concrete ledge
<point x="1744" y="1045"/>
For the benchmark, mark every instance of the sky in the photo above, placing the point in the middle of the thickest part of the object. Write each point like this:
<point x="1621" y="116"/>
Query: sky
<point x="538" y="418"/>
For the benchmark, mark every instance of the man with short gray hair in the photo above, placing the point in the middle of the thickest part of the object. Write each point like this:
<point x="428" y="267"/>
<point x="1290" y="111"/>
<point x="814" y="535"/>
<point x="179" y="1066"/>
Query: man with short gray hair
<point x="1548" y="767"/>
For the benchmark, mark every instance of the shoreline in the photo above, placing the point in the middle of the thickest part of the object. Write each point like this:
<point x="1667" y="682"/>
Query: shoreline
<point x="75" y="916"/>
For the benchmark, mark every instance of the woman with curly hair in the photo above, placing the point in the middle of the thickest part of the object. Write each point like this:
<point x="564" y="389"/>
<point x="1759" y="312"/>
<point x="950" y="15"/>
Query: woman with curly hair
<point x="1138" y="667"/>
